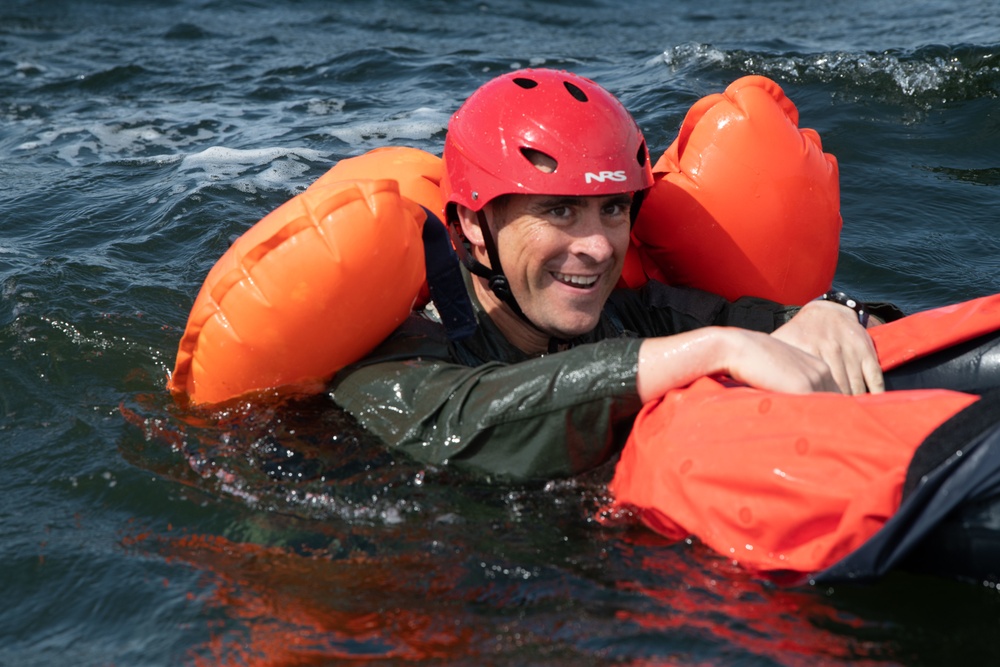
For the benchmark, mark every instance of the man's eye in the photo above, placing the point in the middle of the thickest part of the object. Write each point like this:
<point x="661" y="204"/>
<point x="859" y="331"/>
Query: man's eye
<point x="559" y="211"/>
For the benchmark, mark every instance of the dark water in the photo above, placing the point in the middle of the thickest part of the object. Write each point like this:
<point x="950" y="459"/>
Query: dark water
<point x="139" y="139"/>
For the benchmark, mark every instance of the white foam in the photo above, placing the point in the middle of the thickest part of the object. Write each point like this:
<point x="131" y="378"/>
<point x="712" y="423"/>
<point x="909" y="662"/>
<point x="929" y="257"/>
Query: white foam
<point x="251" y="169"/>
<point x="318" y="107"/>
<point x="233" y="160"/>
<point x="77" y="144"/>
<point x="685" y="54"/>
<point x="182" y="133"/>
<point x="418" y="125"/>
<point x="911" y="76"/>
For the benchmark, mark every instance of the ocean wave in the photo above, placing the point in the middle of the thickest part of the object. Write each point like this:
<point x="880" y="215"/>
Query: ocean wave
<point x="302" y="457"/>
<point x="95" y="141"/>
<point x="988" y="176"/>
<point x="198" y="135"/>
<point x="929" y="73"/>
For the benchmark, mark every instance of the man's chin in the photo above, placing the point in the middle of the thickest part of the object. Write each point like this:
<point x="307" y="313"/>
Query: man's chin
<point x="565" y="318"/>
<point x="570" y="330"/>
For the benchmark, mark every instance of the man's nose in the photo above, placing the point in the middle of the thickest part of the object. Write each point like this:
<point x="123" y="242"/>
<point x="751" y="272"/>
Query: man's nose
<point x="592" y="239"/>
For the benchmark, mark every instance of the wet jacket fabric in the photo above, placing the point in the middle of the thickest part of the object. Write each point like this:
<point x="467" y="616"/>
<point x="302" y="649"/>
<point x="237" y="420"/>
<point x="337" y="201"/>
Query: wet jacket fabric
<point x="482" y="404"/>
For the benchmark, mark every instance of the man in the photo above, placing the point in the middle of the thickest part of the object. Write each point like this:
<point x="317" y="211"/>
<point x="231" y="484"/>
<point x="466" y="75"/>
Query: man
<point x="543" y="171"/>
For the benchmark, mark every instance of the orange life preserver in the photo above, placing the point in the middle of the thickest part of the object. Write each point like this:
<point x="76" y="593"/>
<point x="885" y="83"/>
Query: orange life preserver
<point x="786" y="482"/>
<point x="313" y="286"/>
<point x="745" y="202"/>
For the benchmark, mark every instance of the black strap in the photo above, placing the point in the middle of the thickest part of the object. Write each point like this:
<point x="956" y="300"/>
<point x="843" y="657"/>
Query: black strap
<point x="444" y="279"/>
<point x="495" y="277"/>
<point x="951" y="436"/>
<point x="637" y="199"/>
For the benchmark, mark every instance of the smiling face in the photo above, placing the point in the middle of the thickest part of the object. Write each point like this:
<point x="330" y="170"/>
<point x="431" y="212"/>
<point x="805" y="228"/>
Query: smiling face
<point x="562" y="256"/>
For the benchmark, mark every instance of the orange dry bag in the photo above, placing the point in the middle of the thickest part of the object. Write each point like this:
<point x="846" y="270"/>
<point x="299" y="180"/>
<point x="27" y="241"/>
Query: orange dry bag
<point x="786" y="482"/>
<point x="745" y="203"/>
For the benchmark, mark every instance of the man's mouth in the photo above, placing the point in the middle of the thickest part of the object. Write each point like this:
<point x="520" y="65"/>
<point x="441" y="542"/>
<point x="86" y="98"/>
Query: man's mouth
<point x="576" y="281"/>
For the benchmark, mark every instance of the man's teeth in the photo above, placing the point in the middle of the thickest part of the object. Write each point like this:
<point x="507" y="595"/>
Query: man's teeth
<point x="579" y="281"/>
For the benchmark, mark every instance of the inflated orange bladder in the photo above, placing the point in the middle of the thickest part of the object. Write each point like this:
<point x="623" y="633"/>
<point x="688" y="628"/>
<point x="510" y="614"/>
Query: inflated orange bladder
<point x="417" y="172"/>
<point x="313" y="286"/>
<point x="745" y="202"/>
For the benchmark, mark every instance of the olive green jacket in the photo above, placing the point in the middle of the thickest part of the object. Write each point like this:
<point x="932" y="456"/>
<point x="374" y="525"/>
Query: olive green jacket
<point x="482" y="404"/>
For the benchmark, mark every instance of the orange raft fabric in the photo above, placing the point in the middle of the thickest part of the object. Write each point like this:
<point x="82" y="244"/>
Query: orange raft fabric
<point x="785" y="482"/>
<point x="313" y="286"/>
<point x="934" y="330"/>
<point x="745" y="202"/>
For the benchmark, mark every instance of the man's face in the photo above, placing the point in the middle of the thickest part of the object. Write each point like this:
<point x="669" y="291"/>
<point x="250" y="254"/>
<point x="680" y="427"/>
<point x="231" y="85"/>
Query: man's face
<point x="562" y="256"/>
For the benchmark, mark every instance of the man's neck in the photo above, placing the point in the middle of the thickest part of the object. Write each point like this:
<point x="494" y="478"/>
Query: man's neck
<point x="515" y="329"/>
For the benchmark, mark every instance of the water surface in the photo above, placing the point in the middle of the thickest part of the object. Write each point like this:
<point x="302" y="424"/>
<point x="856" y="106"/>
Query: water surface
<point x="139" y="139"/>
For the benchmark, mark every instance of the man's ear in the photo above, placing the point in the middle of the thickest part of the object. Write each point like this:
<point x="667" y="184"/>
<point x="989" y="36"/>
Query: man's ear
<point x="469" y="221"/>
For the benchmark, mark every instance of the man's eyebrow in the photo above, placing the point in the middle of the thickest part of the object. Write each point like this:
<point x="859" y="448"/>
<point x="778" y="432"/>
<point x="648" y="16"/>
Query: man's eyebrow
<point x="558" y="200"/>
<point x="624" y="198"/>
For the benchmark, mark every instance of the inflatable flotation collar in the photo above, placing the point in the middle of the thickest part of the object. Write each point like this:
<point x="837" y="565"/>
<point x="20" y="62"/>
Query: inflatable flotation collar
<point x="313" y="286"/>
<point x="323" y="279"/>
<point x="744" y="204"/>
<point x="786" y="482"/>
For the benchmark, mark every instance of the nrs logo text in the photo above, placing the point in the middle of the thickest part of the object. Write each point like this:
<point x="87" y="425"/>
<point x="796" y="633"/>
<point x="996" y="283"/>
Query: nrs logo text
<point x="602" y="176"/>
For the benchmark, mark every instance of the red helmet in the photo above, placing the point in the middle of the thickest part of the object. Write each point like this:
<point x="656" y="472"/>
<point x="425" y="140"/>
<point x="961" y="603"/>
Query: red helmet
<point x="596" y="145"/>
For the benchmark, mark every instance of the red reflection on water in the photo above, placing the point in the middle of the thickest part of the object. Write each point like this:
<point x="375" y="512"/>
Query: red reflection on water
<point x="703" y="595"/>
<point x="278" y="607"/>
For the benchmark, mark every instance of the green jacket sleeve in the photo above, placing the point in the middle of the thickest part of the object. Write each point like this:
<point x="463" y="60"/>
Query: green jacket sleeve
<point x="549" y="416"/>
<point x="484" y="406"/>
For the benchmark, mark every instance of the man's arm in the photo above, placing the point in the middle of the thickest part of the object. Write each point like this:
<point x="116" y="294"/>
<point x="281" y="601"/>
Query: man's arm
<point x="827" y="331"/>
<point x="750" y="357"/>
<point x="833" y="352"/>
<point x="550" y="416"/>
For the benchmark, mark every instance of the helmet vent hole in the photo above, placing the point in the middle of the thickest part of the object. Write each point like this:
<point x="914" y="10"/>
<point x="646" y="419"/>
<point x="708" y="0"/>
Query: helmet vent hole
<point x="641" y="155"/>
<point x="541" y="161"/>
<point x="575" y="91"/>
<point x="527" y="84"/>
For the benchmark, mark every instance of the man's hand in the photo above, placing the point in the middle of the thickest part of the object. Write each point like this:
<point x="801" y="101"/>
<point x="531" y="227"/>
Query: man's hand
<point x="756" y="359"/>
<point x="831" y="332"/>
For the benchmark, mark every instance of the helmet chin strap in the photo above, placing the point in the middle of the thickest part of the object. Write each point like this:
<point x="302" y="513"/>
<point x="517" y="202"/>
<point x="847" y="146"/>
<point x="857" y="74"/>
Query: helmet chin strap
<point x="495" y="277"/>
